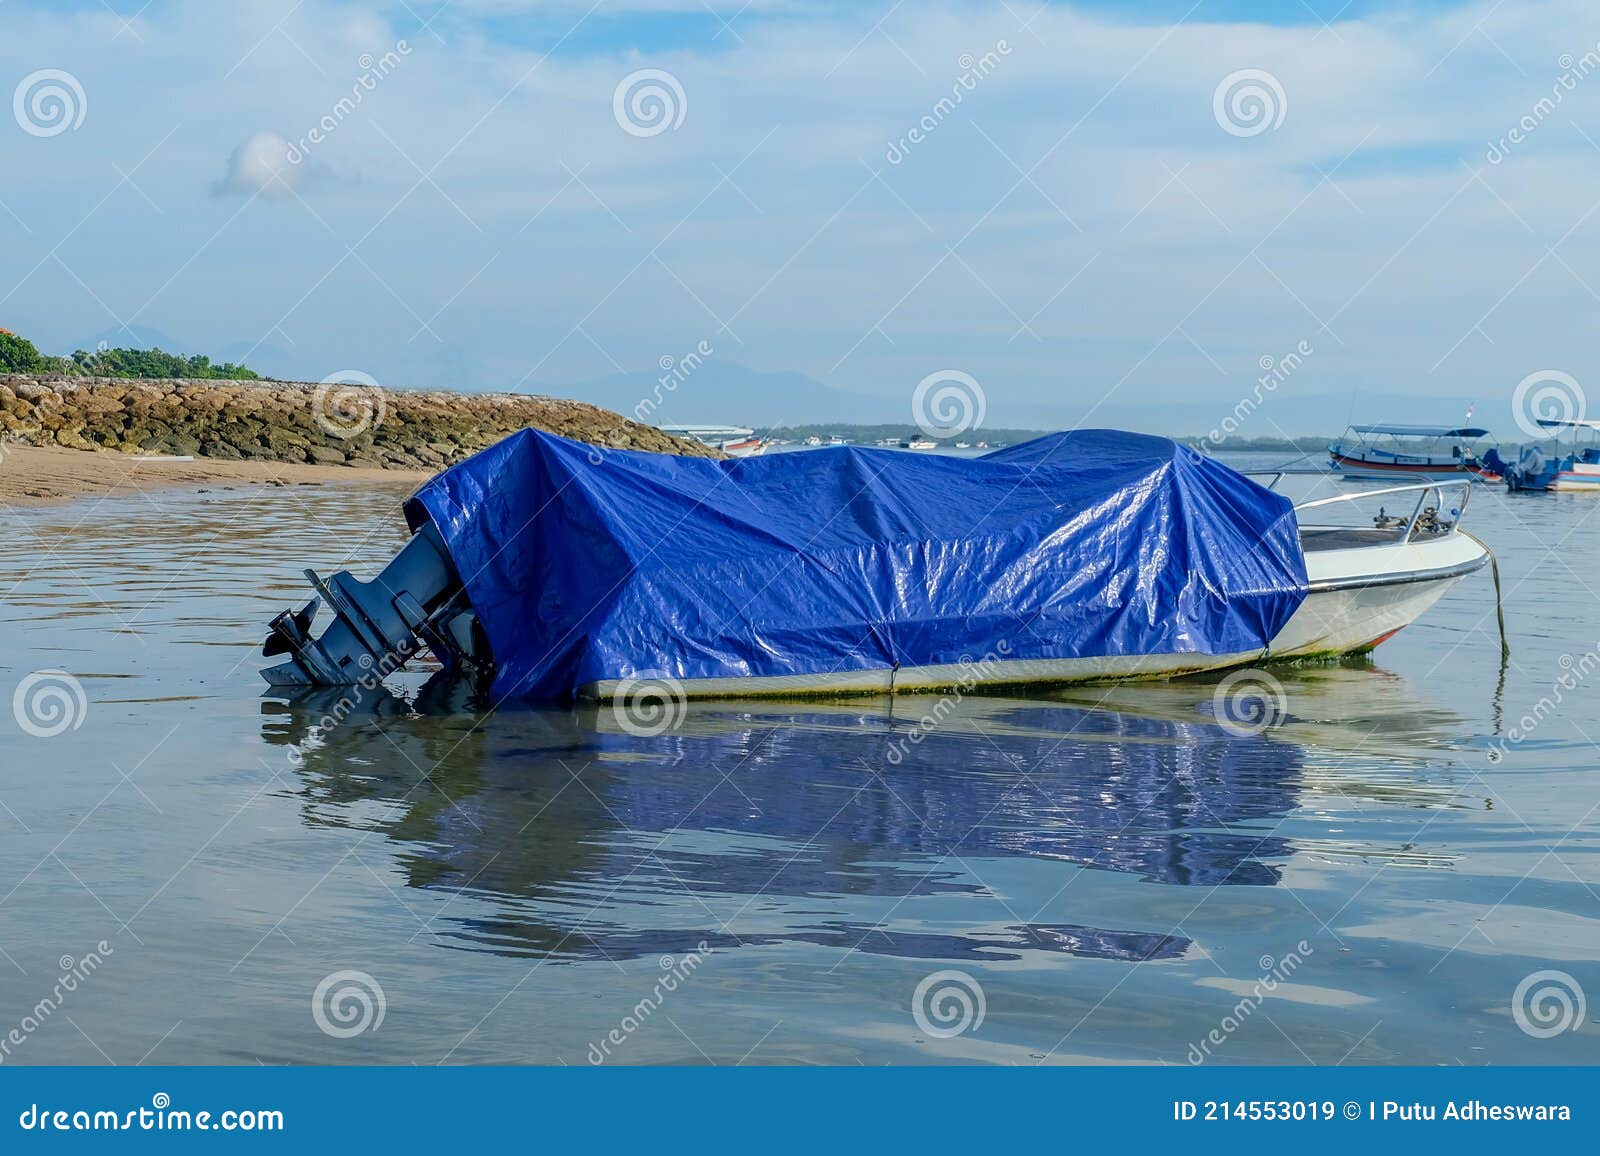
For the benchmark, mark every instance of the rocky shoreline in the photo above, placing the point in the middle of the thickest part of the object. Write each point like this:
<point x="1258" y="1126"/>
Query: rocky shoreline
<point x="331" y="424"/>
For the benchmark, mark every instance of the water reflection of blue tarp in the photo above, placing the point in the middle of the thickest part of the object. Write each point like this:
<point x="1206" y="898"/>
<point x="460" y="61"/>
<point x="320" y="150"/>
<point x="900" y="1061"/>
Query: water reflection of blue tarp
<point x="799" y="809"/>
<point x="586" y="565"/>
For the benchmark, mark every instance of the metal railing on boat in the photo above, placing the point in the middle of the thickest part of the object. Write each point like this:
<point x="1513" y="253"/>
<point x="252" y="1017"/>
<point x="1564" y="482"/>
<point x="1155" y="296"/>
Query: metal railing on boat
<point x="1421" y="489"/>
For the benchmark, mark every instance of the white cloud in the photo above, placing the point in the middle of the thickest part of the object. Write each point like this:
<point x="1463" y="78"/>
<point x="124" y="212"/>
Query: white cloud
<point x="263" y="165"/>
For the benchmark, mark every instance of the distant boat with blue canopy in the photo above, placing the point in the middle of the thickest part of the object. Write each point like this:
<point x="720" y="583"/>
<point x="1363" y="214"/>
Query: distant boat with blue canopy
<point x="1576" y="468"/>
<point x="1416" y="451"/>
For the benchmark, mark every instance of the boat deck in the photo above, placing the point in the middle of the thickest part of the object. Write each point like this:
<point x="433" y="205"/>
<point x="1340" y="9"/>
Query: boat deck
<point x="1355" y="537"/>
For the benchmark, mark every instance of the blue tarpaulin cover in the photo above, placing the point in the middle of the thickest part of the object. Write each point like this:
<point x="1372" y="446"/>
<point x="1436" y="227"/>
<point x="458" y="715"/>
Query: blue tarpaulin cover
<point x="585" y="564"/>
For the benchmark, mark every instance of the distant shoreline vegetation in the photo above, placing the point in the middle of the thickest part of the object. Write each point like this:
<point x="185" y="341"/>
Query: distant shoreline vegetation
<point x="869" y="434"/>
<point x="19" y="355"/>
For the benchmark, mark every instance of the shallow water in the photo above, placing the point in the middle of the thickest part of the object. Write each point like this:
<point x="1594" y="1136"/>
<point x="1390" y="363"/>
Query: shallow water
<point x="1111" y="870"/>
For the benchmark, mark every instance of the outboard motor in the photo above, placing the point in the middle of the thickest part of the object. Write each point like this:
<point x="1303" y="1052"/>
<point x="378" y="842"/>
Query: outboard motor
<point x="417" y="601"/>
<point x="1528" y="473"/>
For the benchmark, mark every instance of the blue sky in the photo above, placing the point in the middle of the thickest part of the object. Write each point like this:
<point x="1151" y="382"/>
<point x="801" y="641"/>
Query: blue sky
<point x="1082" y="233"/>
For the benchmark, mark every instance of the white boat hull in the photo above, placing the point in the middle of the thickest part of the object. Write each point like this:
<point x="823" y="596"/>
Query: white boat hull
<point x="1578" y="476"/>
<point x="1378" y="473"/>
<point x="1358" y="598"/>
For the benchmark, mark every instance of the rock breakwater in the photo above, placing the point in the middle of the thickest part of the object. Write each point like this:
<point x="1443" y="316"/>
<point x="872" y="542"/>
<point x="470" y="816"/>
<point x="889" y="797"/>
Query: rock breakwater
<point x="284" y="421"/>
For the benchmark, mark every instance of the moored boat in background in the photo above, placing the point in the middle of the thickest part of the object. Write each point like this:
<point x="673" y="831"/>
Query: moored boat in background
<point x="736" y="441"/>
<point x="1575" y="469"/>
<point x="1416" y="451"/>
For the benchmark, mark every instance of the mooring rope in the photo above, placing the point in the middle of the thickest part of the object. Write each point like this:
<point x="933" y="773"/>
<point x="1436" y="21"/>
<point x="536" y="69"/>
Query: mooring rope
<point x="1499" y="607"/>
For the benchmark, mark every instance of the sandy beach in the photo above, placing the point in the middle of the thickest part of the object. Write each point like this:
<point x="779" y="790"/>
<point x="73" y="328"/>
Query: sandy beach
<point x="37" y="476"/>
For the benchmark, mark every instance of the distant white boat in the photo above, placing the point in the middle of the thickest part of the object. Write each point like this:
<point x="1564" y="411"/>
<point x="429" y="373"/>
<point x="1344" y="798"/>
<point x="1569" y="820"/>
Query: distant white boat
<point x="1415" y="451"/>
<point x="744" y="447"/>
<point x="919" y="444"/>
<point x="734" y="440"/>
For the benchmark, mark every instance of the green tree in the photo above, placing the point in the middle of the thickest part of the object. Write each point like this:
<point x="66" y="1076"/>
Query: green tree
<point x="156" y="363"/>
<point x="18" y="354"/>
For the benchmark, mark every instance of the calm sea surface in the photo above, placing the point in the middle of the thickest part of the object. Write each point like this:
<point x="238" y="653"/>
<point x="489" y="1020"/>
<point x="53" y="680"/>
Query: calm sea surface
<point x="1108" y="874"/>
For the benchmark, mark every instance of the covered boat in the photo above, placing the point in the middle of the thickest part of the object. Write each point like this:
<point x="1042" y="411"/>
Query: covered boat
<point x="1552" y="467"/>
<point x="1416" y="451"/>
<point x="556" y="570"/>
